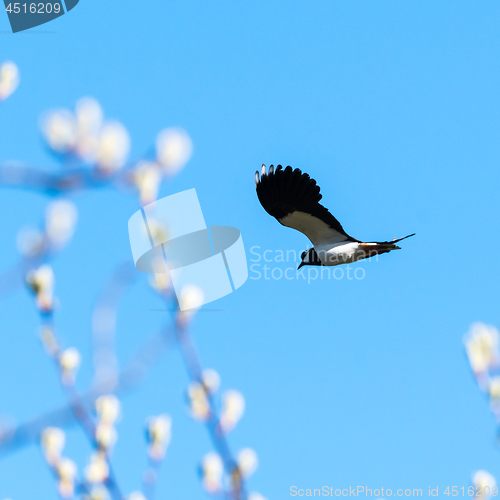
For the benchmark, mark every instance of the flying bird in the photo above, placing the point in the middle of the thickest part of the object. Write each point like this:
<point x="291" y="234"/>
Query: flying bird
<point x="292" y="197"/>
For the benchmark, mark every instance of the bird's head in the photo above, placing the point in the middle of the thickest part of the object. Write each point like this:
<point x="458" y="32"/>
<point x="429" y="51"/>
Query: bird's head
<point x="308" y="258"/>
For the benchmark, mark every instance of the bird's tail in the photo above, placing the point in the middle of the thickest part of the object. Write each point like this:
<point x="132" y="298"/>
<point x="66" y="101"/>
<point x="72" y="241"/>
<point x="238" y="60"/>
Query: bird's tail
<point x="387" y="246"/>
<point x="401" y="239"/>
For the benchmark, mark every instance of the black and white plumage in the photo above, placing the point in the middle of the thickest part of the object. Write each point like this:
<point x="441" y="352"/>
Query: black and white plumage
<point x="292" y="197"/>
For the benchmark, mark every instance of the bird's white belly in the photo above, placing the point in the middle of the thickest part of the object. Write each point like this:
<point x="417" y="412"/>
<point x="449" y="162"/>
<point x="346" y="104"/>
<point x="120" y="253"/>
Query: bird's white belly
<point x="339" y="253"/>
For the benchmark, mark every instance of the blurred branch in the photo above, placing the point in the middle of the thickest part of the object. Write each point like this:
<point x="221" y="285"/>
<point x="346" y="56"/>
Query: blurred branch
<point x="218" y="437"/>
<point x="26" y="177"/>
<point x="93" y="153"/>
<point x="104" y="321"/>
<point x="130" y="378"/>
<point x="81" y="411"/>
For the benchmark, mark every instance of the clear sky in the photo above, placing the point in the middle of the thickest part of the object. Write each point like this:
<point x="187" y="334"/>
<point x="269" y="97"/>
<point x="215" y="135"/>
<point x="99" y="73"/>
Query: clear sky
<point x="392" y="106"/>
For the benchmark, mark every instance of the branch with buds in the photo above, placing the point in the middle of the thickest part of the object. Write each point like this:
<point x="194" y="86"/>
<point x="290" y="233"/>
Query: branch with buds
<point x="483" y="353"/>
<point x="94" y="153"/>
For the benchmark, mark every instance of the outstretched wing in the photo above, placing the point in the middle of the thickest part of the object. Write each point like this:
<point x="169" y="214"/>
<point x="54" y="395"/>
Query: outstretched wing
<point x="293" y="199"/>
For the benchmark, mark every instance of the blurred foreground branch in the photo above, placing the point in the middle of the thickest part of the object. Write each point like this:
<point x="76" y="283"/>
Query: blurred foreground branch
<point x="93" y="153"/>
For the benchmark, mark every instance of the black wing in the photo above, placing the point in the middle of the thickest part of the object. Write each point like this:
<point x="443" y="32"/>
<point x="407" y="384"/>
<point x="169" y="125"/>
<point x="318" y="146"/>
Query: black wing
<point x="293" y="199"/>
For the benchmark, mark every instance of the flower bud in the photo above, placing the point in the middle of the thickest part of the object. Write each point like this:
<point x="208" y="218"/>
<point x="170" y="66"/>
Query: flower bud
<point x="482" y="480"/>
<point x="108" y="408"/>
<point x="233" y="407"/>
<point x="136" y="495"/>
<point x="60" y="222"/>
<point x="106" y="436"/>
<point x="481" y="345"/>
<point x="494" y="387"/>
<point x="66" y="469"/>
<point x="158" y="435"/>
<point x="173" y="149"/>
<point x="53" y="440"/>
<point x="147" y="179"/>
<point x="89" y="117"/>
<point x="98" y="493"/>
<point x="9" y="79"/>
<point x="69" y="361"/>
<point x="97" y="471"/>
<point x="211" y="380"/>
<point x="255" y="496"/>
<point x="247" y="462"/>
<point x="190" y="299"/>
<point x="160" y="281"/>
<point x="212" y="470"/>
<point x="59" y="130"/>
<point x="41" y="283"/>
<point x="199" y="405"/>
<point x="66" y="472"/>
<point x="113" y="147"/>
<point x="66" y="488"/>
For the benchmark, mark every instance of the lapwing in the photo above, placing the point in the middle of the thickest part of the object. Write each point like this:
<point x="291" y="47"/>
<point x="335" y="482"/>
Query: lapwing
<point x="292" y="197"/>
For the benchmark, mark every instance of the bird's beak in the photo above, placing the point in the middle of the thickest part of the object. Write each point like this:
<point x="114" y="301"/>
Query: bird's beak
<point x="300" y="265"/>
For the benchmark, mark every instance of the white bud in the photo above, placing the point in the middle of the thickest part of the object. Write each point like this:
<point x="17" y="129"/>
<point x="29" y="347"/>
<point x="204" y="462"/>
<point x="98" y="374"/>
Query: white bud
<point x="211" y="380"/>
<point x="158" y="435"/>
<point x="494" y="387"/>
<point x="160" y="281"/>
<point x="200" y="408"/>
<point x="70" y="359"/>
<point x="233" y="409"/>
<point x="482" y="347"/>
<point x="66" y="488"/>
<point x="108" y="408"/>
<point x="113" y="147"/>
<point x="97" y="470"/>
<point x="66" y="469"/>
<point x="59" y="130"/>
<point x="41" y="278"/>
<point x="89" y="115"/>
<point x="255" y="496"/>
<point x="247" y="462"/>
<point x="41" y="283"/>
<point x="212" y="471"/>
<point x="482" y="479"/>
<point x="60" y="221"/>
<point x="191" y="297"/>
<point x="106" y="435"/>
<point x="98" y="493"/>
<point x="147" y="178"/>
<point x="9" y="79"/>
<point x="159" y="428"/>
<point x="136" y="495"/>
<point x="173" y="149"/>
<point x="157" y="230"/>
<point x="53" y="440"/>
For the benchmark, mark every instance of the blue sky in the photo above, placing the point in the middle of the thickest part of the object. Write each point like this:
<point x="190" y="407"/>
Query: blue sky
<point x="393" y="108"/>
